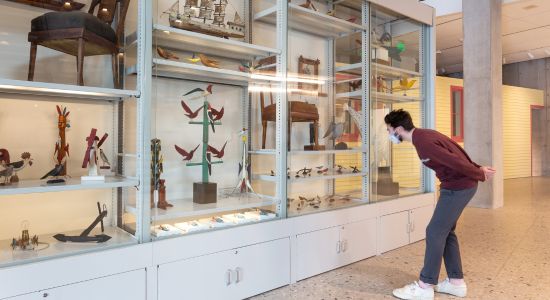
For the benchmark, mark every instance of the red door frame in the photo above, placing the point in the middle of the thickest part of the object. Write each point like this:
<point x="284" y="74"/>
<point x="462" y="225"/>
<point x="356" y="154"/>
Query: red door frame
<point x="460" y="138"/>
<point x="533" y="107"/>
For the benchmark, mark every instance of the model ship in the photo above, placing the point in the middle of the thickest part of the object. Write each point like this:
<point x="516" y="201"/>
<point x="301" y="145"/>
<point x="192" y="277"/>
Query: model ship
<point x="207" y="17"/>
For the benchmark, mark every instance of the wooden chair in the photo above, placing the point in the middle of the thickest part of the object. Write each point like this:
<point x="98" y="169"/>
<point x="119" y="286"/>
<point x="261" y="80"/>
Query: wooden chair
<point x="82" y="34"/>
<point x="298" y="112"/>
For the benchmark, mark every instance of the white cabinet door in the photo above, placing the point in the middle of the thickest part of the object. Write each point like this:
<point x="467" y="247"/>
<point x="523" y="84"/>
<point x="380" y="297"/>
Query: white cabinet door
<point x="205" y="277"/>
<point x="261" y="267"/>
<point x="317" y="252"/>
<point x="358" y="241"/>
<point x="129" y="285"/>
<point x="420" y="217"/>
<point x="31" y="296"/>
<point x="394" y="231"/>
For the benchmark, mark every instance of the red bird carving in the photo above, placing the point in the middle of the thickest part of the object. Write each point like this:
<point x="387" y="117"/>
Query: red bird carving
<point x="216" y="115"/>
<point x="186" y="155"/>
<point x="217" y="153"/>
<point x="188" y="112"/>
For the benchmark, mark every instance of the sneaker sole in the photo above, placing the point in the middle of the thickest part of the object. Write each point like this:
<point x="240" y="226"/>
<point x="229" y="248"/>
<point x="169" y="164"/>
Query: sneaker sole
<point x="452" y="294"/>
<point x="397" y="295"/>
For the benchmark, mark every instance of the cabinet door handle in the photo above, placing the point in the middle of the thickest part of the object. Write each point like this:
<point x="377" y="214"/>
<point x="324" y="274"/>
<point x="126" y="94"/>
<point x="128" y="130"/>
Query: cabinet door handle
<point x="413" y="227"/>
<point x="228" y="277"/>
<point x="338" y="247"/>
<point x="45" y="295"/>
<point x="344" y="245"/>
<point x="239" y="274"/>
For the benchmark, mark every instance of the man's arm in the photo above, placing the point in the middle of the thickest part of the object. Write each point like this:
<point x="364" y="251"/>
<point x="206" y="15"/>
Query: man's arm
<point x="439" y="154"/>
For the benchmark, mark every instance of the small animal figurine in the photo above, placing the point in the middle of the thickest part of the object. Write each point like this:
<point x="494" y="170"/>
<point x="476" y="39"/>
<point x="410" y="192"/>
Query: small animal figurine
<point x="55" y="172"/>
<point x="6" y="173"/>
<point x="209" y="62"/>
<point x="166" y="54"/>
<point x="105" y="161"/>
<point x="354" y="169"/>
<point x="20" y="165"/>
<point x="340" y="168"/>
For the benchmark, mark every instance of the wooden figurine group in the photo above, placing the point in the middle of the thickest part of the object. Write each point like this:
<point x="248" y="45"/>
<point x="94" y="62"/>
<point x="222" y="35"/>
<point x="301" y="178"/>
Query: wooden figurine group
<point x="10" y="169"/>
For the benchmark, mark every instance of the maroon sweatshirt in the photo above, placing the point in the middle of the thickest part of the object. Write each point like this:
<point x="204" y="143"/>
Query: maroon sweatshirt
<point x="452" y="166"/>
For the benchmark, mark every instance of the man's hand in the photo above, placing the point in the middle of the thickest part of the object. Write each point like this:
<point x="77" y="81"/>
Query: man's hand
<point x="488" y="171"/>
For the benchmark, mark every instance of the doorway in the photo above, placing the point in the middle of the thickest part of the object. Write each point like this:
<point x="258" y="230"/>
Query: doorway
<point x="537" y="139"/>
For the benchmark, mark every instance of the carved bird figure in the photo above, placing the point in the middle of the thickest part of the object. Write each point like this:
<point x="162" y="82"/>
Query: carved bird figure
<point x="104" y="158"/>
<point x="199" y="93"/>
<point x="186" y="155"/>
<point x="216" y="115"/>
<point x="209" y="62"/>
<point x="217" y="153"/>
<point x="6" y="173"/>
<point x="334" y="131"/>
<point x="188" y="112"/>
<point x="20" y="165"/>
<point x="405" y="84"/>
<point x="166" y="54"/>
<point x="194" y="58"/>
<point x="58" y="169"/>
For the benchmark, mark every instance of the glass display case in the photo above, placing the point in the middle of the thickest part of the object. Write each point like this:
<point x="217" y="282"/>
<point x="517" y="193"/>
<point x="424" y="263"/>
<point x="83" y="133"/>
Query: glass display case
<point x="208" y="115"/>
<point x="397" y="68"/>
<point x="205" y="71"/>
<point x="69" y="136"/>
<point x="325" y="146"/>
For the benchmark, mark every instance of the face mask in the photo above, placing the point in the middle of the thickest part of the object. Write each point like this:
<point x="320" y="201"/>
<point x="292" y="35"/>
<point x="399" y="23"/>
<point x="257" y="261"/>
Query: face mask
<point x="394" y="138"/>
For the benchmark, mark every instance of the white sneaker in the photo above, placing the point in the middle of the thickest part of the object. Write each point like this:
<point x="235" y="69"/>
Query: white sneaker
<point x="414" y="292"/>
<point x="446" y="287"/>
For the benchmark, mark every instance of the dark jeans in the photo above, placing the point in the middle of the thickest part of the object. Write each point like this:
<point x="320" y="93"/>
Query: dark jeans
<point x="441" y="240"/>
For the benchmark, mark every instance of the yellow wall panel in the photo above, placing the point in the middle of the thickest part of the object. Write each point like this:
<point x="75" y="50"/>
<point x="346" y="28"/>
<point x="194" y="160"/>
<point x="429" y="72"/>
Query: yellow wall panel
<point x="516" y="108"/>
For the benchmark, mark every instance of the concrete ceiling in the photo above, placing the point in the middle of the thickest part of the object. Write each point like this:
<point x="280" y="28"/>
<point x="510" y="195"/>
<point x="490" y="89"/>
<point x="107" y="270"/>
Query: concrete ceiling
<point x="525" y="30"/>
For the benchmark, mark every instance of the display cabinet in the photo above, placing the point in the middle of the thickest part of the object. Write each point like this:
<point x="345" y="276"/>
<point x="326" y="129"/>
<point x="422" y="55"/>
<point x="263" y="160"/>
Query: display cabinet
<point x="399" y="80"/>
<point x="70" y="134"/>
<point x="205" y="69"/>
<point x="326" y="154"/>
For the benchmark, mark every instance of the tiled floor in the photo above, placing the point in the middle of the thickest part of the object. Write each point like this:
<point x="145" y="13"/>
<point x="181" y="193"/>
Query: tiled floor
<point x="505" y="254"/>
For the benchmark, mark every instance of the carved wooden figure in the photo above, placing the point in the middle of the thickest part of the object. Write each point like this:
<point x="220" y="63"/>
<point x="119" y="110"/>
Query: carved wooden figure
<point x="61" y="146"/>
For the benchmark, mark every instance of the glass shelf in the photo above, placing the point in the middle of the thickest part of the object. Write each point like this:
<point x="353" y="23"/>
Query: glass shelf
<point x="184" y="208"/>
<point x="55" y="248"/>
<point x="310" y="21"/>
<point x="177" y="39"/>
<point x="327" y="176"/>
<point x="71" y="184"/>
<point x="63" y="90"/>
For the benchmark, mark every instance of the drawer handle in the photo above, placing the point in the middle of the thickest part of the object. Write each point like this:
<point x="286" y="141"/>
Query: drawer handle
<point x="239" y="274"/>
<point x="228" y="277"/>
<point x="45" y="295"/>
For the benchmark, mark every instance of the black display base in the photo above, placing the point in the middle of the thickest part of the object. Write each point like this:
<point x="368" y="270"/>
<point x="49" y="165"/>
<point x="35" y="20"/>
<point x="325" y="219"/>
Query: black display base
<point x="314" y="148"/>
<point x="55" y="181"/>
<point x="341" y="146"/>
<point x="204" y="193"/>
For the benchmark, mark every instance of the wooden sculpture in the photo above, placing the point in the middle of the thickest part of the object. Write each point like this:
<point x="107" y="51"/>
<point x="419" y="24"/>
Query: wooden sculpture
<point x="91" y="156"/>
<point x="204" y="191"/>
<point x="85" y="237"/>
<point x="19" y="165"/>
<point x="243" y="185"/>
<point x="61" y="146"/>
<point x="157" y="184"/>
